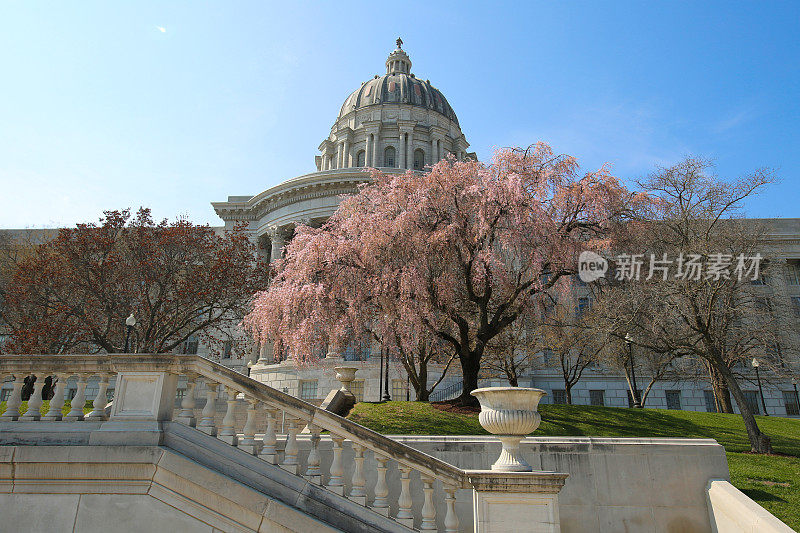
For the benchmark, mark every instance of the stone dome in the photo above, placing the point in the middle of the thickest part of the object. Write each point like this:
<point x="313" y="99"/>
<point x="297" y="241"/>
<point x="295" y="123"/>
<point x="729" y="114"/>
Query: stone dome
<point x="398" y="86"/>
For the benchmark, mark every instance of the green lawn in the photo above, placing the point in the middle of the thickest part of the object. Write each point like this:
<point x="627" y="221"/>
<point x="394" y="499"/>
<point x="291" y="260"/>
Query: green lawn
<point x="772" y="481"/>
<point x="46" y="407"/>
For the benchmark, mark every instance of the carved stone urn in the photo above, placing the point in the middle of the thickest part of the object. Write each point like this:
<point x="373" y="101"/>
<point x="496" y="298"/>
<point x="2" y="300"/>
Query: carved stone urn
<point x="511" y="414"/>
<point x="345" y="374"/>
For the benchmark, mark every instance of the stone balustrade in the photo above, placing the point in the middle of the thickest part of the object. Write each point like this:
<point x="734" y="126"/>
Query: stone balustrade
<point x="144" y="397"/>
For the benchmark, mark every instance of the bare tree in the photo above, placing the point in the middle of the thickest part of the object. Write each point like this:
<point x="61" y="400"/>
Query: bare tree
<point x="572" y="342"/>
<point x="513" y="352"/>
<point x="715" y="312"/>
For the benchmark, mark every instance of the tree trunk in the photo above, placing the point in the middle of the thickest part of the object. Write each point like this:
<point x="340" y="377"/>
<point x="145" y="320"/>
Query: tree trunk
<point x="469" y="370"/>
<point x="422" y="394"/>
<point x="722" y="395"/>
<point x="759" y="443"/>
<point x="568" y="390"/>
<point x="421" y="386"/>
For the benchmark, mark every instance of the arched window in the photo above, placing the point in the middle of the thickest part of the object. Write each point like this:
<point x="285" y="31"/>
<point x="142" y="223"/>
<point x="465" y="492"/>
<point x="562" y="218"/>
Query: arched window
<point x="361" y="159"/>
<point x="419" y="159"/>
<point x="389" y="157"/>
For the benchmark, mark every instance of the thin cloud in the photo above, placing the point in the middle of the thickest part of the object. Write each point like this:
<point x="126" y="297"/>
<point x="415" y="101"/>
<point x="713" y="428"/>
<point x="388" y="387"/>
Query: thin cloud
<point x="733" y="120"/>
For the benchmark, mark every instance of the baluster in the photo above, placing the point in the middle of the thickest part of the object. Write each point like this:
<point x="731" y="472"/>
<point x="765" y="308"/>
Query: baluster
<point x="358" y="492"/>
<point x="227" y="432"/>
<point x="248" y="442"/>
<point x="291" y="449"/>
<point x="313" y="471"/>
<point x="35" y="401"/>
<point x="451" y="518"/>
<point x="15" y="400"/>
<point x="336" y="481"/>
<point x="404" y="514"/>
<point x="57" y="401"/>
<point x="207" y="424"/>
<point x="186" y="414"/>
<point x="76" y="411"/>
<point x="268" y="451"/>
<point x="100" y="401"/>
<point x="381" y="503"/>
<point x="428" y="509"/>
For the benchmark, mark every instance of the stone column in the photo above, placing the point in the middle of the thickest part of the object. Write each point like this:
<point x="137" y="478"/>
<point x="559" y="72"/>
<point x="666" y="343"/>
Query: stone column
<point x="367" y="150"/>
<point x="348" y="160"/>
<point x="401" y="157"/>
<point x="376" y="149"/>
<point x="278" y="242"/>
<point x="410" y="150"/>
<point x="338" y="155"/>
<point x="503" y="500"/>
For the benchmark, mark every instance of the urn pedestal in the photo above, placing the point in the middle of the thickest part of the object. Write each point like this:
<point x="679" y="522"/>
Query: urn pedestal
<point x="510" y="413"/>
<point x="345" y="375"/>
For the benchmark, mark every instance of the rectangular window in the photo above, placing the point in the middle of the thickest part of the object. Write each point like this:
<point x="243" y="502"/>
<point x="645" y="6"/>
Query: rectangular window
<point x="597" y="397"/>
<point x="764" y="305"/>
<point x="355" y="351"/>
<point x="5" y="394"/>
<point x="308" y="390"/>
<point x="762" y="278"/>
<point x="190" y="346"/>
<point x="751" y="398"/>
<point x="790" y="401"/>
<point x="399" y="390"/>
<point x="793" y="275"/>
<point x="673" y="399"/>
<point x="179" y="395"/>
<point x="711" y="403"/>
<point x="796" y="305"/>
<point x="630" y="398"/>
<point x="227" y="349"/>
<point x="584" y="305"/>
<point x="357" y="388"/>
<point x="560" y="396"/>
<point x="548" y="356"/>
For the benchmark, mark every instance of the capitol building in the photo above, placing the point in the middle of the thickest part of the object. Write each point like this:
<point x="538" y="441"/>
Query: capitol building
<point x="397" y="122"/>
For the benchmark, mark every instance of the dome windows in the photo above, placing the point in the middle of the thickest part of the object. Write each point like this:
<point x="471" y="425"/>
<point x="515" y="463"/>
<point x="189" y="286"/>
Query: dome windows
<point x="419" y="159"/>
<point x="389" y="159"/>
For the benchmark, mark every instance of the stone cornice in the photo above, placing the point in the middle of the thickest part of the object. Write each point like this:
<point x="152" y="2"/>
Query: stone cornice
<point x="315" y="185"/>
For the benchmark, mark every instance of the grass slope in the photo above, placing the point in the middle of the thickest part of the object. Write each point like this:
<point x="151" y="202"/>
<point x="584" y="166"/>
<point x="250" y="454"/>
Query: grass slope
<point x="772" y="481"/>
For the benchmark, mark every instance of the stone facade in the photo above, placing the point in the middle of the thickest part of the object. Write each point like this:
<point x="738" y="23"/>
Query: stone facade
<point x="397" y="122"/>
<point x="383" y="124"/>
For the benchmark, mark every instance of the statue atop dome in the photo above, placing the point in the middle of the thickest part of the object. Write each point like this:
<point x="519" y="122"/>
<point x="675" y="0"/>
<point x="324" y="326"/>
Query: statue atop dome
<point x="399" y="42"/>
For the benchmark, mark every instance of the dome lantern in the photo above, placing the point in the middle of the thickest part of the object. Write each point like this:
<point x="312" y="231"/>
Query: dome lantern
<point x="398" y="61"/>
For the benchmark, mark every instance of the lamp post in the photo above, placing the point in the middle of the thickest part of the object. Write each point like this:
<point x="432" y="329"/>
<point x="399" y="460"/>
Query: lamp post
<point x="380" y="376"/>
<point x="629" y="342"/>
<point x="756" y="364"/>
<point x="129" y="323"/>
<point x="386" y="396"/>
<point x="796" y="396"/>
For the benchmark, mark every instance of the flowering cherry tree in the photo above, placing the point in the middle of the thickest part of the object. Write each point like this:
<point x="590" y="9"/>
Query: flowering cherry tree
<point x="447" y="258"/>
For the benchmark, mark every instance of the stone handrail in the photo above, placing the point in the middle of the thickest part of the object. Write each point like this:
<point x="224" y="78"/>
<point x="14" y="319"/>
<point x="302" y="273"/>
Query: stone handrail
<point x="145" y="391"/>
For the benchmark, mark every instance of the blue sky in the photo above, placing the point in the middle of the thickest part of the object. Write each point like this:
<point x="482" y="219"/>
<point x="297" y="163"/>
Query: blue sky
<point x="101" y="109"/>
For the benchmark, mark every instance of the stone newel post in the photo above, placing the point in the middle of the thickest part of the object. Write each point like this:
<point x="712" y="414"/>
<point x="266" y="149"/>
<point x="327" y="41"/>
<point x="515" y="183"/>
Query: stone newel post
<point x="141" y="402"/>
<point x="511" y="496"/>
